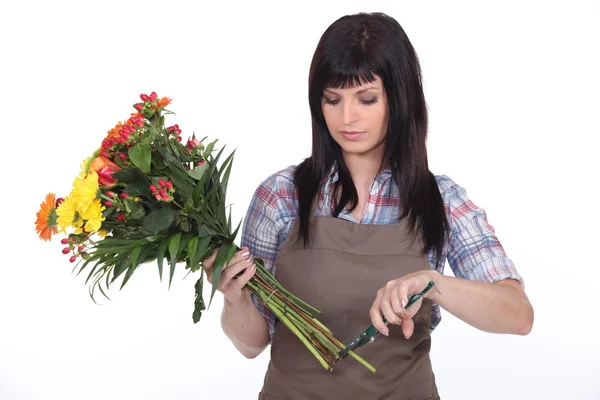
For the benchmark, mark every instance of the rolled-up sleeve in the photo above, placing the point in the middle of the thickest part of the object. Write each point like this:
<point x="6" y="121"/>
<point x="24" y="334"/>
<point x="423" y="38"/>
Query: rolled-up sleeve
<point x="260" y="235"/>
<point x="474" y="251"/>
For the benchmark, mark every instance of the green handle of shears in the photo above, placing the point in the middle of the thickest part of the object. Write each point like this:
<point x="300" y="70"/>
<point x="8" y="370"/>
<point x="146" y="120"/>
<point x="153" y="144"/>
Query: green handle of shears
<point x="414" y="298"/>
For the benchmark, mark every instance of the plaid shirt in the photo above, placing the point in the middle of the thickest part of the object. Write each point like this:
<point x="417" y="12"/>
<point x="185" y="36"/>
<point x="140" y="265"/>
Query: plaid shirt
<point x="472" y="249"/>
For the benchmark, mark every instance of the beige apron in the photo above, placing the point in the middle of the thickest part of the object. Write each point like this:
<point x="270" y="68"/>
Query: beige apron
<point x="339" y="274"/>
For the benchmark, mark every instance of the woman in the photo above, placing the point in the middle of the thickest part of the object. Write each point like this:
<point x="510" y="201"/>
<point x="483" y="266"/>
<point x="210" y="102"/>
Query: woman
<point x="361" y="225"/>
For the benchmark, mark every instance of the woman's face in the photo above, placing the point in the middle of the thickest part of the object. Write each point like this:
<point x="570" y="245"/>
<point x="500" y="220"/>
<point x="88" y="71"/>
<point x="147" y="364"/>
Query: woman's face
<point x="357" y="117"/>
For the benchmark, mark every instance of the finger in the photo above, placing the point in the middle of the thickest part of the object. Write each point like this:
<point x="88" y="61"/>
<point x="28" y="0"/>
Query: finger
<point x="240" y="255"/>
<point x="232" y="270"/>
<point x="408" y="327"/>
<point x="240" y="281"/>
<point x="396" y="301"/>
<point x="405" y="288"/>
<point x="209" y="262"/>
<point x="375" y="313"/>
<point x="388" y="311"/>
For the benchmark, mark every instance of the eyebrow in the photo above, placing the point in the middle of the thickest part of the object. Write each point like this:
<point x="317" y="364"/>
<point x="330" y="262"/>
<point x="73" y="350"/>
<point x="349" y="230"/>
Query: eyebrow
<point x="359" y="92"/>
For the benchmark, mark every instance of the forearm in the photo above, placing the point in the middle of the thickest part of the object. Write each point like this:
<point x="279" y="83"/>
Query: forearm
<point x="245" y="327"/>
<point x="500" y="307"/>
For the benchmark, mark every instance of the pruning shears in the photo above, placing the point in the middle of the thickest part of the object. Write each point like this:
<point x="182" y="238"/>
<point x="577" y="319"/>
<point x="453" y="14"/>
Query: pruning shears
<point x="371" y="332"/>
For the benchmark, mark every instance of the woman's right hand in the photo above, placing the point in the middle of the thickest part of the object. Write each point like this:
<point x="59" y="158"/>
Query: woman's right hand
<point x="234" y="290"/>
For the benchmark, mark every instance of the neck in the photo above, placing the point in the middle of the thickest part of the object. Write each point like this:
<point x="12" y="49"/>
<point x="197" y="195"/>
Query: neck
<point x="363" y="168"/>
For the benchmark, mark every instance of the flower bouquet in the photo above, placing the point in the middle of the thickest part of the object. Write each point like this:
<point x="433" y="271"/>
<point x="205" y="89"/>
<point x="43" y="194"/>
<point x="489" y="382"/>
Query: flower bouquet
<point x="146" y="195"/>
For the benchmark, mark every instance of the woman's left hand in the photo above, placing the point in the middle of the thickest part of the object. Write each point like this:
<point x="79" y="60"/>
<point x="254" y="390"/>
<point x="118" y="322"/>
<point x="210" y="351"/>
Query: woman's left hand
<point x="393" y="297"/>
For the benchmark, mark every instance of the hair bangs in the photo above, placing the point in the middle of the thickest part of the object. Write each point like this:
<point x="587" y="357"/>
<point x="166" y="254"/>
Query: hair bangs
<point x="349" y="76"/>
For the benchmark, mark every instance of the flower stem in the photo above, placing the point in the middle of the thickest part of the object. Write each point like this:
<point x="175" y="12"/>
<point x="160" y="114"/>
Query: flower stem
<point x="280" y="314"/>
<point x="313" y="334"/>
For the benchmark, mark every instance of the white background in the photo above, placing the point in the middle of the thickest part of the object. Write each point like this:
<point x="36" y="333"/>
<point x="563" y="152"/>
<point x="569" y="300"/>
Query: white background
<point x="512" y="88"/>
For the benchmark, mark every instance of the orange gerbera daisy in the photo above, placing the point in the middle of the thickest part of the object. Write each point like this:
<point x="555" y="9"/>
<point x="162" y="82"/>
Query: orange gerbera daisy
<point x="45" y="225"/>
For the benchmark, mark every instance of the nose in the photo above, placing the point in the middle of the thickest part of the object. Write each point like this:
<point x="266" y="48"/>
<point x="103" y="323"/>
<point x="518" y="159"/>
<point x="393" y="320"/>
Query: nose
<point x="348" y="113"/>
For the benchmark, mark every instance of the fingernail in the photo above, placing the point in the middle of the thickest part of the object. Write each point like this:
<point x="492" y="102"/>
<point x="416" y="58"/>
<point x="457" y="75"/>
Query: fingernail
<point x="245" y="254"/>
<point x="385" y="331"/>
<point x="403" y="303"/>
<point x="406" y="337"/>
<point x="253" y="267"/>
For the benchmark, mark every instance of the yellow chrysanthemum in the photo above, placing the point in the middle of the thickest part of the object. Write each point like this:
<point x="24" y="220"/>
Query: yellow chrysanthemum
<point x="68" y="215"/>
<point x="102" y="233"/>
<point x="85" y="191"/>
<point x="93" y="216"/>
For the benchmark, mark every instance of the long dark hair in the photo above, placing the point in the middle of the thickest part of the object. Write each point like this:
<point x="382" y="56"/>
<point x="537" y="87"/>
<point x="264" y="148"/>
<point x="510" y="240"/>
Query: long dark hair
<point x="351" y="52"/>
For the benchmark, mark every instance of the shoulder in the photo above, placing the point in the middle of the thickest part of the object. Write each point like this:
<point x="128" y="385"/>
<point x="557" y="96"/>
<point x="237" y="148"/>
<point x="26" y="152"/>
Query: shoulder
<point x="281" y="178"/>
<point x="279" y="185"/>
<point x="452" y="193"/>
<point x="445" y="184"/>
<point x="461" y="211"/>
<point x="277" y="193"/>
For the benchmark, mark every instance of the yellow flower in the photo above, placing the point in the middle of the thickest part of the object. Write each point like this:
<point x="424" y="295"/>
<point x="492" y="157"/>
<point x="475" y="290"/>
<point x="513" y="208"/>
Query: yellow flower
<point x="85" y="191"/>
<point x="93" y="216"/>
<point x="68" y="215"/>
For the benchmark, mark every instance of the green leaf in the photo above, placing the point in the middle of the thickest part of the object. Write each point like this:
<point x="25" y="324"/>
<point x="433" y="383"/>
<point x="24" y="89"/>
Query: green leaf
<point x="202" y="187"/>
<point x="221" y="208"/>
<point x="191" y="249"/>
<point x="173" y="253"/>
<point x="200" y="253"/>
<point x="224" y="255"/>
<point x="120" y="267"/>
<point x="147" y="112"/>
<point x="183" y="244"/>
<point x="159" y="219"/>
<point x="198" y="171"/>
<point x="134" y="263"/>
<point x="119" y="249"/>
<point x="182" y="181"/>
<point x="199" y="305"/>
<point x="229" y="221"/>
<point x="140" y="155"/>
<point x="128" y="175"/>
<point x="234" y="234"/>
<point x="209" y="148"/>
<point x="184" y="223"/>
<point x="109" y="241"/>
<point x="160" y="255"/>
<point x="229" y="163"/>
<point x="203" y="230"/>
<point x="138" y="187"/>
<point x="100" y="260"/>
<point x="158" y="163"/>
<point x="137" y="211"/>
<point x="151" y="134"/>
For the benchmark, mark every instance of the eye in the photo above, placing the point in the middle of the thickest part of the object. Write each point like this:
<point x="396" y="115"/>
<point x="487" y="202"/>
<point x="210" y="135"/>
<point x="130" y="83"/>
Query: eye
<point x="332" y="102"/>
<point x="369" y="101"/>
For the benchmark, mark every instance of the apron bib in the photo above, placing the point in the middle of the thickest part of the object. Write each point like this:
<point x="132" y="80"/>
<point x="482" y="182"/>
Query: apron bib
<point x="339" y="274"/>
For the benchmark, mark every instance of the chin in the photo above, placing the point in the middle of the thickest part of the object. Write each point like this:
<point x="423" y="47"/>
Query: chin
<point x="356" y="147"/>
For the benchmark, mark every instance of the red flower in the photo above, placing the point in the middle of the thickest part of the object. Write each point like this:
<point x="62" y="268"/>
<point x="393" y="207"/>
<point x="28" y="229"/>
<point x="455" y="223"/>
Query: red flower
<point x="104" y="168"/>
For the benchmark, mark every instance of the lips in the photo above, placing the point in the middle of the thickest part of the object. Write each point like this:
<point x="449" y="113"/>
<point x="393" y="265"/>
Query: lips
<point x="352" y="135"/>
